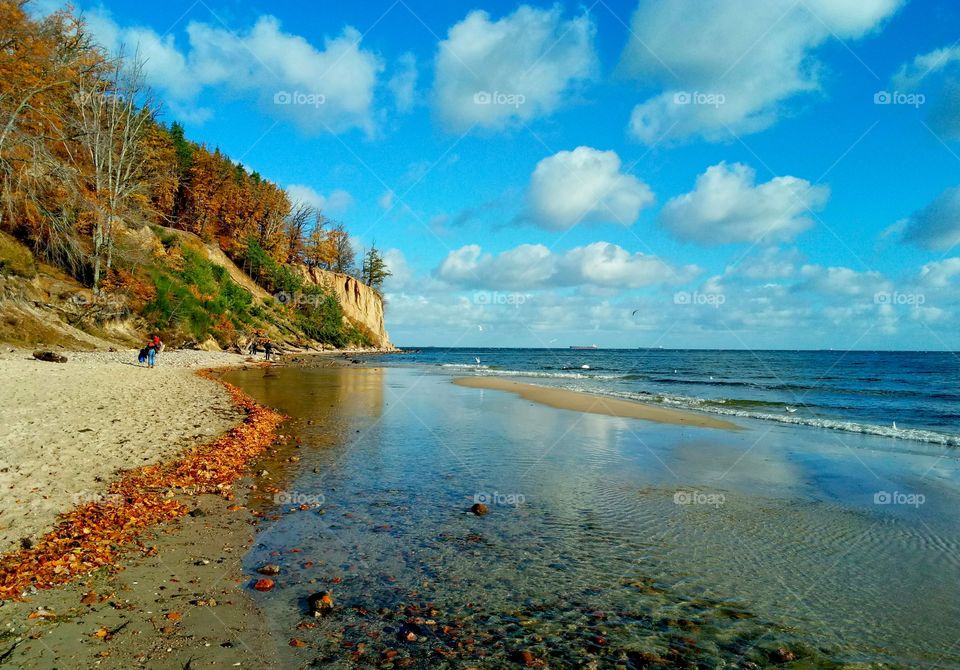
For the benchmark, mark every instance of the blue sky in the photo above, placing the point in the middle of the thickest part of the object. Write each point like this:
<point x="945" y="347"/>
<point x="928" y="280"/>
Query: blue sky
<point x="772" y="174"/>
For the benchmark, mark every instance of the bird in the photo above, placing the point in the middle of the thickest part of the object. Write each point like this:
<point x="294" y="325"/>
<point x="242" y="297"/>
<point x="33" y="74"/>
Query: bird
<point x="584" y="367"/>
<point x="791" y="410"/>
<point x="895" y="425"/>
<point x="477" y="359"/>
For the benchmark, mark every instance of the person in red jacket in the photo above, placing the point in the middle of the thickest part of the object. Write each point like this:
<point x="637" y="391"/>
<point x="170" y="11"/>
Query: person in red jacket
<point x="153" y="346"/>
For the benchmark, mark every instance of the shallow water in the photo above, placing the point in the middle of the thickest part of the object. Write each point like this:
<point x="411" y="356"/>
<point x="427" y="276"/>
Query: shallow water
<point x="608" y="542"/>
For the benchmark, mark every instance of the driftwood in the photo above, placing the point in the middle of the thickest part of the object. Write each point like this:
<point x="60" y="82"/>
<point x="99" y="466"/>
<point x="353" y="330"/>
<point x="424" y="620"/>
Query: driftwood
<point x="49" y="356"/>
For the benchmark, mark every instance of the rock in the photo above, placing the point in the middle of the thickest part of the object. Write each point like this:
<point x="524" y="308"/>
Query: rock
<point x="783" y="655"/>
<point x="526" y="658"/>
<point x="479" y="509"/>
<point x="196" y="512"/>
<point x="49" y="357"/>
<point x="320" y="603"/>
<point x="263" y="584"/>
<point x="271" y="569"/>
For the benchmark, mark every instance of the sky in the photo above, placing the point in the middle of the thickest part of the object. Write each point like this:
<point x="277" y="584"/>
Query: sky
<point x="686" y="173"/>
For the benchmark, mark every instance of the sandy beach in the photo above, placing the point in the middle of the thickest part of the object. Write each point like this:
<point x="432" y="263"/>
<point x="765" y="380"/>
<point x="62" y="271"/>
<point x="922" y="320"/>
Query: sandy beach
<point x="595" y="404"/>
<point x="67" y="428"/>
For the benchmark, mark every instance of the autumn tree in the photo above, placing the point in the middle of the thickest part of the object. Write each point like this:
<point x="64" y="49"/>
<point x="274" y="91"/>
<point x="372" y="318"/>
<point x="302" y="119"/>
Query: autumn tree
<point x="112" y="125"/>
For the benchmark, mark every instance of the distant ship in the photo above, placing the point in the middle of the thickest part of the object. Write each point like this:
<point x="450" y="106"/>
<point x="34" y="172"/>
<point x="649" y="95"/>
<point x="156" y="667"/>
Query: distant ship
<point x="587" y="346"/>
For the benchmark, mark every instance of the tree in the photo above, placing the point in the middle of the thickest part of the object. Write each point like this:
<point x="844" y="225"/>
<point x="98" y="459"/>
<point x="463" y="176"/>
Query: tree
<point x="112" y="125"/>
<point x="343" y="253"/>
<point x="296" y="227"/>
<point x="374" y="270"/>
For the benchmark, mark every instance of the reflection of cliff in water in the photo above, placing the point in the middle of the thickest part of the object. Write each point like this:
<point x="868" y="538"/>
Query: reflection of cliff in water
<point x="333" y="395"/>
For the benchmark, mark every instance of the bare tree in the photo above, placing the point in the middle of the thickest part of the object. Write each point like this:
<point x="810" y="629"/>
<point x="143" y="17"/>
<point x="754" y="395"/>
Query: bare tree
<point x="112" y="122"/>
<point x="296" y="227"/>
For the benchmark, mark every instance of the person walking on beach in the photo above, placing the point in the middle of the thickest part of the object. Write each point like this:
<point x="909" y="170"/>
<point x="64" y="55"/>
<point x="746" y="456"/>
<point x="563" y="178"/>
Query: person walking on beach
<point x="153" y="347"/>
<point x="267" y="348"/>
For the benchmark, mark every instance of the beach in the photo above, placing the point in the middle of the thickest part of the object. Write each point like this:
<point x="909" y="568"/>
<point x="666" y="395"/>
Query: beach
<point x="67" y="428"/>
<point x="613" y="532"/>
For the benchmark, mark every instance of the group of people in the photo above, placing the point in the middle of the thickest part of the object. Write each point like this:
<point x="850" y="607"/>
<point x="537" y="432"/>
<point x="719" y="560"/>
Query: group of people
<point x="149" y="353"/>
<point x="261" y="341"/>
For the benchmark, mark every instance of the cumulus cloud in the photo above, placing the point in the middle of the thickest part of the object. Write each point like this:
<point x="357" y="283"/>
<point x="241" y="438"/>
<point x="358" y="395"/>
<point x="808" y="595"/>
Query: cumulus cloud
<point x="319" y="89"/>
<point x="939" y="274"/>
<point x="584" y="185"/>
<point x="842" y="281"/>
<point x="493" y="73"/>
<point x="936" y="226"/>
<point x="336" y="203"/>
<point x="534" y="266"/>
<point x="753" y="55"/>
<point x="727" y="205"/>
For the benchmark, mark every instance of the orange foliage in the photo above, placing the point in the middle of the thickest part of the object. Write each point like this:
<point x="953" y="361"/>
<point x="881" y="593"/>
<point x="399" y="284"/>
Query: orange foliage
<point x="97" y="534"/>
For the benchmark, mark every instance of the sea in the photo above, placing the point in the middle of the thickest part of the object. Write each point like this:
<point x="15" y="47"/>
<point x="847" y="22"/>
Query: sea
<point x="906" y="395"/>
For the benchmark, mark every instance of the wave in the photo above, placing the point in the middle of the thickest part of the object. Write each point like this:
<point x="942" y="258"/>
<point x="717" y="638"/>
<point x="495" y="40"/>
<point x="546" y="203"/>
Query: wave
<point x="715" y="407"/>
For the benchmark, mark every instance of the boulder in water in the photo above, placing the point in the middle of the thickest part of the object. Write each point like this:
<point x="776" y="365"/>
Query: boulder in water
<point x="479" y="509"/>
<point x="320" y="603"/>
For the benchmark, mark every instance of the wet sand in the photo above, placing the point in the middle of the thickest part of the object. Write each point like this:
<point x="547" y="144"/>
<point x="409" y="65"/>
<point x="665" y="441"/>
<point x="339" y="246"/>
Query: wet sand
<point x="595" y="404"/>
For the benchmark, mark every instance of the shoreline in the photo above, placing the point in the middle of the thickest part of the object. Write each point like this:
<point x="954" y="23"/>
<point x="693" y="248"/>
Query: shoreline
<point x="139" y="563"/>
<point x="596" y="404"/>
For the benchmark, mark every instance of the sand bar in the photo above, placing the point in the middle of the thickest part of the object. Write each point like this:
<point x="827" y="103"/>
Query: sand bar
<point x="596" y="404"/>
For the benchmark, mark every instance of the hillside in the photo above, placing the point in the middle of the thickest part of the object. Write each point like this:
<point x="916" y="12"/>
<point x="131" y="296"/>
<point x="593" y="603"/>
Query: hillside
<point x="41" y="305"/>
<point x="115" y="225"/>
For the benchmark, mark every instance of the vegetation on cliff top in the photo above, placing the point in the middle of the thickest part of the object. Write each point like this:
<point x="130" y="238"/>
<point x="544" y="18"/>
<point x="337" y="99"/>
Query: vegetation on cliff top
<point x="89" y="177"/>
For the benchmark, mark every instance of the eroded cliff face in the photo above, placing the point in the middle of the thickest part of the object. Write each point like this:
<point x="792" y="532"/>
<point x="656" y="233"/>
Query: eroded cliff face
<point x="360" y="302"/>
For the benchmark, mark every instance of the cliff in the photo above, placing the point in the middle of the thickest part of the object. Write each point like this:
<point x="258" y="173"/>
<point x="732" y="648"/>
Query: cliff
<point x="360" y="303"/>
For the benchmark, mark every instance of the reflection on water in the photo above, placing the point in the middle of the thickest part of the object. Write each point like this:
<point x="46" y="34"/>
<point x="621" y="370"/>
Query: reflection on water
<point x="609" y="542"/>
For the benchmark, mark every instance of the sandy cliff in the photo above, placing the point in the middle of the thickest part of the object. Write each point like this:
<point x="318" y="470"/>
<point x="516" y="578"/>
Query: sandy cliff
<point x="360" y="302"/>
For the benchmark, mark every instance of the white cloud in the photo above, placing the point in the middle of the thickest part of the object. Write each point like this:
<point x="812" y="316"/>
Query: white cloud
<point x="403" y="83"/>
<point x="936" y="226"/>
<point x="385" y="201"/>
<point x="523" y="66"/>
<point x="584" y="185"/>
<point x="942" y="93"/>
<point x="336" y="203"/>
<point x="329" y="89"/>
<point x="842" y="281"/>
<point x="939" y="274"/>
<point x="534" y="266"/>
<point x="756" y="55"/>
<point x="727" y="205"/>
